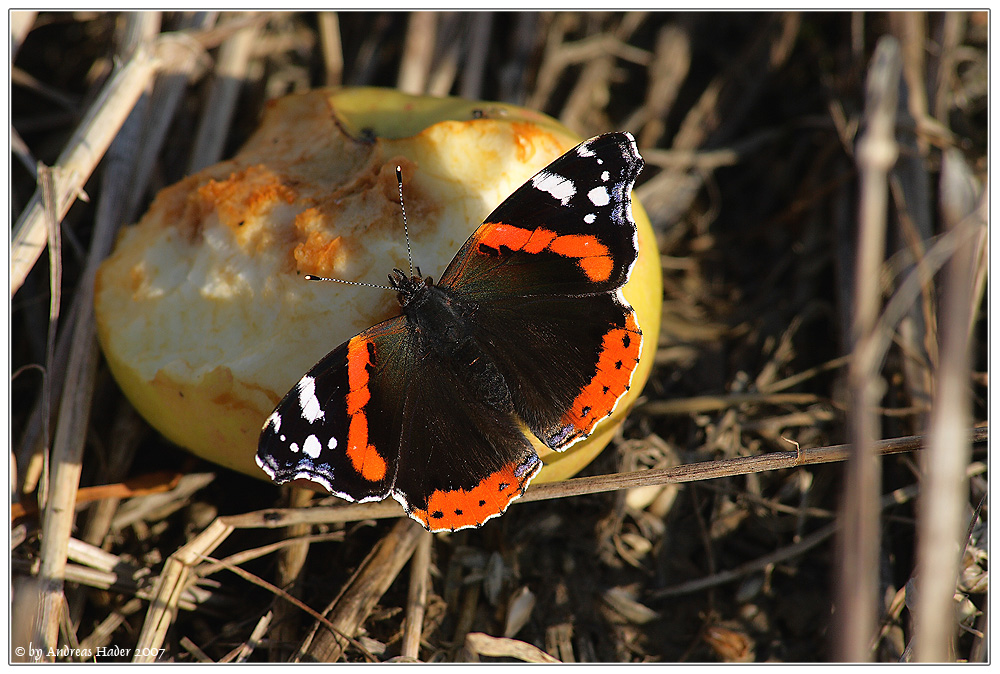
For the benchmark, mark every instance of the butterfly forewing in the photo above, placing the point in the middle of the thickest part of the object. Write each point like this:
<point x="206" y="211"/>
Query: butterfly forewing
<point x="567" y="231"/>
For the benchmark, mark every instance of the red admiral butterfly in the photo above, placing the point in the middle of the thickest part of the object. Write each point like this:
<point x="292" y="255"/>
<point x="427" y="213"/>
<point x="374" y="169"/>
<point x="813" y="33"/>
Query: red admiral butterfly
<point x="527" y="329"/>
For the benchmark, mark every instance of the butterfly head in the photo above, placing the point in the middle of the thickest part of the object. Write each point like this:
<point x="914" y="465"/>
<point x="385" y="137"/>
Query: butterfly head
<point x="407" y="286"/>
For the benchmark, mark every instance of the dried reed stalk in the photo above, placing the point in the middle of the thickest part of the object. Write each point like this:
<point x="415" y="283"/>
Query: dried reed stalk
<point x="418" y="53"/>
<point x="331" y="47"/>
<point x="291" y="561"/>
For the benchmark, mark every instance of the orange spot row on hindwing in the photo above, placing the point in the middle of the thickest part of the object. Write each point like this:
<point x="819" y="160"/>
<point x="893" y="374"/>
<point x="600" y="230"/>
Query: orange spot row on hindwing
<point x="618" y="358"/>
<point x="462" y="508"/>
<point x="364" y="457"/>
<point x="592" y="256"/>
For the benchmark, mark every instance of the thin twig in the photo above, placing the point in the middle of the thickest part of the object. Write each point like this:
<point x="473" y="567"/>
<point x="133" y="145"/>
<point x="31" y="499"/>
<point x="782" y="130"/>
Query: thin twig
<point x="759" y="564"/>
<point x="278" y="592"/>
<point x="706" y="470"/>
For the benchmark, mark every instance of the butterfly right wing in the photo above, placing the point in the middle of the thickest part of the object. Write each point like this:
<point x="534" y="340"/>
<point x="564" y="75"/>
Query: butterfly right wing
<point x="546" y="270"/>
<point x="336" y="427"/>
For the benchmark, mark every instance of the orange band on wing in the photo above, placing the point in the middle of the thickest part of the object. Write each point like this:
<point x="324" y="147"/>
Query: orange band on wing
<point x="592" y="256"/>
<point x="450" y="510"/>
<point x="617" y="360"/>
<point x="364" y="457"/>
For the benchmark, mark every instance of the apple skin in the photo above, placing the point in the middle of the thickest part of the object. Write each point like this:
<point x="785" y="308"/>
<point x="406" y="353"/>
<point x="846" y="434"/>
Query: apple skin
<point x="202" y="312"/>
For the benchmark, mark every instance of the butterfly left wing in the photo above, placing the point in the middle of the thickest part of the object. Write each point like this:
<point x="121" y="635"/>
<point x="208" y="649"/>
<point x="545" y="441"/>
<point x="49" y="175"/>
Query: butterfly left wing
<point x="323" y="430"/>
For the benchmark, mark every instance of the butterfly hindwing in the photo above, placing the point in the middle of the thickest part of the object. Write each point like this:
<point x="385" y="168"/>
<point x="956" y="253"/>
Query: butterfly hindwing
<point x="463" y="456"/>
<point x="570" y="361"/>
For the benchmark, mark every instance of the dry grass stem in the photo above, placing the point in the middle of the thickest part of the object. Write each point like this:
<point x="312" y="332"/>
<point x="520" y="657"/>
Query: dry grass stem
<point x="942" y="522"/>
<point x="169" y="586"/>
<point x="20" y="24"/>
<point x="74" y="408"/>
<point x="76" y="163"/>
<point x="361" y="593"/>
<point x="416" y="600"/>
<point x="182" y="59"/>
<point x="221" y="103"/>
<point x="333" y="51"/>
<point x="473" y="71"/>
<point x="861" y="531"/>
<point x="418" y="53"/>
<point x="291" y="562"/>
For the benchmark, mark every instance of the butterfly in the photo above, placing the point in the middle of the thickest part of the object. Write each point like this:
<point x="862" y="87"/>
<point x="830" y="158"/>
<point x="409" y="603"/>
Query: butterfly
<point x="527" y="331"/>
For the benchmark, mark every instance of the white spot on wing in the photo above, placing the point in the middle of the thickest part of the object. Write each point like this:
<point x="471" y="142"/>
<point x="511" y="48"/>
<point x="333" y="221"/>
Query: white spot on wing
<point x="332" y="443"/>
<point x="599" y="196"/>
<point x="308" y="402"/>
<point x="312" y="447"/>
<point x="274" y="421"/>
<point x="559" y="187"/>
<point x="604" y="176"/>
<point x="294" y="447"/>
<point x="584" y="150"/>
<point x="589" y="218"/>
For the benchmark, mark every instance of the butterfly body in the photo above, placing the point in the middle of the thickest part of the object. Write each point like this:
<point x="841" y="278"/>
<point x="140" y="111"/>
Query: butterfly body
<point x="526" y="331"/>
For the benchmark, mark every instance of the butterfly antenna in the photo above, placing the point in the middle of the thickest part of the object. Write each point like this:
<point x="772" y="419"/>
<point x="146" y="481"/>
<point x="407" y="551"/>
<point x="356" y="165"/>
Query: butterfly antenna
<point x="310" y="277"/>
<point x="406" y="232"/>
